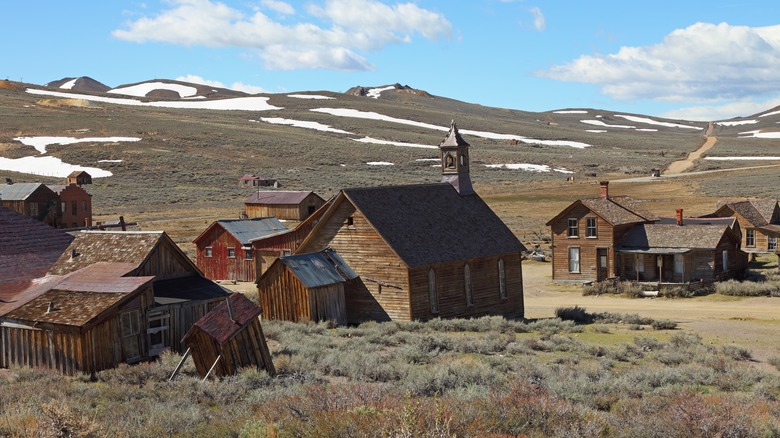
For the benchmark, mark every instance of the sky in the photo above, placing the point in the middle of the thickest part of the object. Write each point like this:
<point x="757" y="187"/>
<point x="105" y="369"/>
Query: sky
<point x="692" y="60"/>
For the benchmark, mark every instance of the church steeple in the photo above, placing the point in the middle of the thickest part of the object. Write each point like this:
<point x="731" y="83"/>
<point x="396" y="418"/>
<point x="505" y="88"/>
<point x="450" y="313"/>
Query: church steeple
<point x="455" y="162"/>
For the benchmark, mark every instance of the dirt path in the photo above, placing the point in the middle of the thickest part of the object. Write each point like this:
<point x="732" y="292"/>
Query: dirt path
<point x="753" y="323"/>
<point x="683" y="165"/>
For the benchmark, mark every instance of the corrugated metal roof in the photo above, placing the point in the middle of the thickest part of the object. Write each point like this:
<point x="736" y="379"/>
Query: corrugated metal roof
<point x="218" y="323"/>
<point x="18" y="191"/>
<point x="246" y="230"/>
<point x="193" y="287"/>
<point x="318" y="269"/>
<point x="277" y="197"/>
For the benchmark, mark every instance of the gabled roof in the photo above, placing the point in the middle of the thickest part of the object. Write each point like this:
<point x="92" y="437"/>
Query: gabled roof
<point x="246" y="230"/>
<point x="758" y="212"/>
<point x="20" y="191"/>
<point x="28" y="248"/>
<point x="280" y="197"/>
<point x="115" y="246"/>
<point x="250" y="177"/>
<point x="647" y="236"/>
<point x="318" y="269"/>
<point x="425" y="224"/>
<point x="218" y="323"/>
<point x="78" y="297"/>
<point x="77" y="173"/>
<point x="617" y="210"/>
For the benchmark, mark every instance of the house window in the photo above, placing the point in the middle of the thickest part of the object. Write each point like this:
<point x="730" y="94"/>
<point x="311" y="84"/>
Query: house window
<point x="84" y="206"/>
<point x="434" y="294"/>
<point x="33" y="209"/>
<point x="208" y="251"/>
<point x="640" y="263"/>
<point x="574" y="227"/>
<point x="467" y="282"/>
<point x="64" y="207"/>
<point x="231" y="253"/>
<point x="501" y="279"/>
<point x="157" y="331"/>
<point x="725" y="261"/>
<point x="678" y="264"/>
<point x="247" y="254"/>
<point x="772" y="243"/>
<point x="74" y="207"/>
<point x="590" y="227"/>
<point x="750" y="238"/>
<point x="350" y="222"/>
<point x="574" y="260"/>
<point x="131" y="329"/>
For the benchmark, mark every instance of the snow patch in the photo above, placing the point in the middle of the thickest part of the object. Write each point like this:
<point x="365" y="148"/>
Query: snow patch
<point x="600" y="123"/>
<point x="380" y="163"/>
<point x="759" y="134"/>
<point x="596" y="130"/>
<point x="649" y="121"/>
<point x="742" y="158"/>
<point x="570" y="112"/>
<point x="528" y="167"/>
<point x="737" y="123"/>
<point x="394" y="143"/>
<point x="47" y="166"/>
<point x="141" y="90"/>
<point x="40" y="143"/>
<point x="301" y="124"/>
<point x="376" y="92"/>
<point x="309" y="96"/>
<point x="69" y="85"/>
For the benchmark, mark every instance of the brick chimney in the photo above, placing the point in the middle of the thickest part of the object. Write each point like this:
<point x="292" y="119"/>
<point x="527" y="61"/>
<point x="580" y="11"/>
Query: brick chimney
<point x="604" y="189"/>
<point x="679" y="216"/>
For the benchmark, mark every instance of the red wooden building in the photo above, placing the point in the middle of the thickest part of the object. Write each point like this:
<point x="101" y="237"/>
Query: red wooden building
<point x="75" y="206"/>
<point x="225" y="251"/>
<point x="31" y="199"/>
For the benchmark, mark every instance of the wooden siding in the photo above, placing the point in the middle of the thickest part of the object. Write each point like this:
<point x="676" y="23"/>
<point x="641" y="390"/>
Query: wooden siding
<point x="81" y="217"/>
<point x="247" y="348"/>
<point x="384" y="291"/>
<point x="165" y="263"/>
<point x="295" y="212"/>
<point x="221" y="267"/>
<point x="283" y="297"/>
<point x="606" y="237"/>
<point x="72" y="350"/>
<point x="486" y="293"/>
<point x="182" y="317"/>
<point x="46" y="206"/>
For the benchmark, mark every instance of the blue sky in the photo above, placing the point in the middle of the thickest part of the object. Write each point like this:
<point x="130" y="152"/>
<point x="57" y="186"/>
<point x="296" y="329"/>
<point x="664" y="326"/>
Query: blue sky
<point x="697" y="60"/>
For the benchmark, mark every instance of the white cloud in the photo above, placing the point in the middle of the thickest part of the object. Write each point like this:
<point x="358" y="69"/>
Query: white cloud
<point x="704" y="63"/>
<point x="540" y="23"/>
<point x="303" y="44"/>
<point x="238" y="86"/>
<point x="279" y="7"/>
<point x="740" y="108"/>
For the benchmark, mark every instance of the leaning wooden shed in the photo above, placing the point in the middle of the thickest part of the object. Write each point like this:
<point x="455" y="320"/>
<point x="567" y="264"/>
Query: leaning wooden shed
<point x="229" y="338"/>
<point x="306" y="287"/>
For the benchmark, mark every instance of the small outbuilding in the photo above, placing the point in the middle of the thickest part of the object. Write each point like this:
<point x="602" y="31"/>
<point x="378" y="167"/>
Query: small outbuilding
<point x="306" y="287"/>
<point x="79" y="177"/>
<point x="254" y="181"/>
<point x="229" y="338"/>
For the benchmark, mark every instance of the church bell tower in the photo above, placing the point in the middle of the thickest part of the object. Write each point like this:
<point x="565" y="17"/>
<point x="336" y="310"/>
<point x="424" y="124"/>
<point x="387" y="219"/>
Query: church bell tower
<point x="455" y="162"/>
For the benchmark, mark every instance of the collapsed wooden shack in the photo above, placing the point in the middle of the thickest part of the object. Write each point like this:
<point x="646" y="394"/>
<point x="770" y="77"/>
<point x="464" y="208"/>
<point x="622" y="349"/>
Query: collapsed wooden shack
<point x="227" y="339"/>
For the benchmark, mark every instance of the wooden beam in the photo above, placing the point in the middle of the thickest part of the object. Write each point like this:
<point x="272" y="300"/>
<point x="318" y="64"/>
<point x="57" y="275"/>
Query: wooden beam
<point x="212" y="367"/>
<point x="181" y="363"/>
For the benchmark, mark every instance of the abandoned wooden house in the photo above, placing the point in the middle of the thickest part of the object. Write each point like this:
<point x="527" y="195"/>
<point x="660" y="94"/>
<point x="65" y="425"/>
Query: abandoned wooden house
<point x="75" y="206"/>
<point x="307" y="287"/>
<point x="285" y="205"/>
<point x="28" y="249"/>
<point x="759" y="220"/>
<point x="423" y="251"/>
<point x="85" y="321"/>
<point x="681" y="250"/>
<point x="31" y="199"/>
<point x="79" y="178"/>
<point x="229" y="338"/>
<point x="254" y="181"/>
<point x="224" y="251"/>
<point x="586" y="233"/>
<point x="182" y="295"/>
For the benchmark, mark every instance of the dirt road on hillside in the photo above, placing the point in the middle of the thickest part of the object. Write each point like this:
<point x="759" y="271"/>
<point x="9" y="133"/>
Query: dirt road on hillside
<point x="683" y="165"/>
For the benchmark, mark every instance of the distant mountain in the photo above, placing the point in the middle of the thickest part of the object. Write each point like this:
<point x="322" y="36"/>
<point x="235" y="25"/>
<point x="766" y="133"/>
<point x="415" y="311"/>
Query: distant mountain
<point x="376" y="92"/>
<point x="83" y="83"/>
<point x="168" y="89"/>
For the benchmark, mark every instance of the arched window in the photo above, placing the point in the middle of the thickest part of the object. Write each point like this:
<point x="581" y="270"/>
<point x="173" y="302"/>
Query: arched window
<point x="467" y="282"/>
<point x="501" y="279"/>
<point x="449" y="161"/>
<point x="434" y="294"/>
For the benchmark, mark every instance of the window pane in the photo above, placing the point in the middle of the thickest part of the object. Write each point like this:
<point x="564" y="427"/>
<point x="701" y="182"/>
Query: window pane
<point x="434" y="294"/>
<point x="574" y="260"/>
<point x="467" y="280"/>
<point x="573" y="228"/>
<point x="591" y="227"/>
<point x="501" y="278"/>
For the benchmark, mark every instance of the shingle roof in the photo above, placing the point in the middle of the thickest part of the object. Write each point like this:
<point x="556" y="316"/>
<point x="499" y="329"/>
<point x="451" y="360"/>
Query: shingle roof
<point x="245" y="230"/>
<point x="725" y="221"/>
<point x="106" y="246"/>
<point x="318" y="269"/>
<point x="218" y="323"/>
<point x="758" y="212"/>
<point x="18" y="191"/>
<point x="277" y="197"/>
<point x="619" y="210"/>
<point x="77" y="297"/>
<point x="431" y="223"/>
<point x="646" y="236"/>
<point x="28" y="248"/>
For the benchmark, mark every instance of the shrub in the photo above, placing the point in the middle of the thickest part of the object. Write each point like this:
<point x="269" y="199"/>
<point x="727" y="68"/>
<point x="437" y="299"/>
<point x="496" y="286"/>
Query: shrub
<point x="576" y="314"/>
<point x="775" y="362"/>
<point x="747" y="288"/>
<point x="664" y="324"/>
<point x="736" y="352"/>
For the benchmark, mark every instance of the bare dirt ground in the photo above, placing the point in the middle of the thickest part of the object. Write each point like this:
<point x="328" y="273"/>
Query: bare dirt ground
<point x="752" y="323"/>
<point x="683" y="165"/>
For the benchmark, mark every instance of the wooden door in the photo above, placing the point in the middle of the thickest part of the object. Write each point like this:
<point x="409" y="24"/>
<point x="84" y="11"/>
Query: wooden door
<point x="602" y="263"/>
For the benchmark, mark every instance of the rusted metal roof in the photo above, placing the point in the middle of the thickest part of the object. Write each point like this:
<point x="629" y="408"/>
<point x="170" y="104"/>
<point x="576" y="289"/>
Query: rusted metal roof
<point x="78" y="297"/>
<point x="28" y="248"/>
<point x="19" y="191"/>
<point x="318" y="269"/>
<point x="427" y="224"/>
<point x="278" y="197"/>
<point x="106" y="246"/>
<point x="218" y="323"/>
<point x="246" y="230"/>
